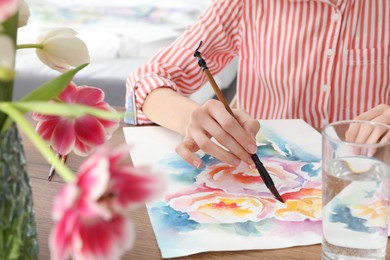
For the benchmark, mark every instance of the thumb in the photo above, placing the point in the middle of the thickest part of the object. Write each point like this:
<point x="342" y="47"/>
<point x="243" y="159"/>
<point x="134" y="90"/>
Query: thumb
<point x="186" y="150"/>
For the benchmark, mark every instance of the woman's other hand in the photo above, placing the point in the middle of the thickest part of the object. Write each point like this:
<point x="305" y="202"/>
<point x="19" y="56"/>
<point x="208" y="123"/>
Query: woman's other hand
<point x="370" y="134"/>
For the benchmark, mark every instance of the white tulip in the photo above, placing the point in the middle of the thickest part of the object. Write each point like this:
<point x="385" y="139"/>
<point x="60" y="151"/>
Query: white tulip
<point x="61" y="50"/>
<point x="7" y="58"/>
<point x="24" y="13"/>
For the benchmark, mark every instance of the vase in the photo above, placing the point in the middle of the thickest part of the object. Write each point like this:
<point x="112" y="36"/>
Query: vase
<point x="18" y="234"/>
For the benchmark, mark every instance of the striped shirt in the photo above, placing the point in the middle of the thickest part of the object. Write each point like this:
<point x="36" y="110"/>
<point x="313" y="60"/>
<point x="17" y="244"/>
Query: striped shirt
<point x="308" y="59"/>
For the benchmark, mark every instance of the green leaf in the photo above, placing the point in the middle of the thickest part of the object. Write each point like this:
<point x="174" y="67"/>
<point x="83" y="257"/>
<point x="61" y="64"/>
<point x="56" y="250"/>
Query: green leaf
<point x="52" y="88"/>
<point x="37" y="140"/>
<point x="63" y="109"/>
<point x="47" y="91"/>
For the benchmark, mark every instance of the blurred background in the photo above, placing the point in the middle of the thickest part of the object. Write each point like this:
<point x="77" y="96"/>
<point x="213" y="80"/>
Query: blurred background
<point x="121" y="35"/>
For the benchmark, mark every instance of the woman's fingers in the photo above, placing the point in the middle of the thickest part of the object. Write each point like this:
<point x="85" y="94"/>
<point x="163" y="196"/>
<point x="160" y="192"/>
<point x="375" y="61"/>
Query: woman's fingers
<point x="243" y="142"/>
<point x="203" y="128"/>
<point x="223" y="127"/>
<point x="213" y="130"/>
<point x="251" y="125"/>
<point x="374" y="113"/>
<point x="370" y="134"/>
<point x="188" y="147"/>
<point x="378" y="135"/>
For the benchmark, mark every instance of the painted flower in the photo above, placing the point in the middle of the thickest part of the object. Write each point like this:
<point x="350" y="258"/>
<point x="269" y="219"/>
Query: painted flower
<point x="7" y="9"/>
<point x="82" y="134"/>
<point x="89" y="213"/>
<point x="62" y="50"/>
<point x="287" y="176"/>
<point x="207" y="205"/>
<point x="230" y="194"/>
<point x="301" y="205"/>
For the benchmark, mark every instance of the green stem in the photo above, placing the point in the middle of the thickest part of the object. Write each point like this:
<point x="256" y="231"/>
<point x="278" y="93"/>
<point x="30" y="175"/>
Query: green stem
<point x="19" y="118"/>
<point x="29" y="46"/>
<point x="10" y="28"/>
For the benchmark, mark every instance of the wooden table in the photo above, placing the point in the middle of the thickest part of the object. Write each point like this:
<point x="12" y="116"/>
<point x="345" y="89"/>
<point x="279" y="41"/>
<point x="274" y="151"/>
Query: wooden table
<point x="145" y="246"/>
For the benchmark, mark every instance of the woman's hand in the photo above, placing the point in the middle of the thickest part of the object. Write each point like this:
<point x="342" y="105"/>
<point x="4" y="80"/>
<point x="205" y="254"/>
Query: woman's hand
<point x="370" y="134"/>
<point x="212" y="120"/>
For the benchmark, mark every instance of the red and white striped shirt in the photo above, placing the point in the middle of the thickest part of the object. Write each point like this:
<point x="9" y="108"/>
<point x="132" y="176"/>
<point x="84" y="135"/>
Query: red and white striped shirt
<point x="308" y="59"/>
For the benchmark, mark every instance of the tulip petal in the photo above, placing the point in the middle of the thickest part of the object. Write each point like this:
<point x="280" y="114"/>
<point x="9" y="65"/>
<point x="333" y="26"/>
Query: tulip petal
<point x="57" y="32"/>
<point x="109" y="125"/>
<point x="76" y="50"/>
<point x="52" y="62"/>
<point x="131" y="187"/>
<point x="24" y="13"/>
<point x="46" y="128"/>
<point x="42" y="117"/>
<point x="92" y="226"/>
<point x="7" y="9"/>
<point x="62" y="49"/>
<point x="87" y="95"/>
<point x="64" y="201"/>
<point x="104" y="239"/>
<point x="60" y="240"/>
<point x="68" y="93"/>
<point x="94" y="182"/>
<point x="64" y="136"/>
<point x="117" y="155"/>
<point x="82" y="149"/>
<point x="89" y="130"/>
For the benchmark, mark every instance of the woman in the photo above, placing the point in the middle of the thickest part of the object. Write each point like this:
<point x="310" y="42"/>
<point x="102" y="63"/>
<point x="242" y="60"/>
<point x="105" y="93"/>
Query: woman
<point x="319" y="60"/>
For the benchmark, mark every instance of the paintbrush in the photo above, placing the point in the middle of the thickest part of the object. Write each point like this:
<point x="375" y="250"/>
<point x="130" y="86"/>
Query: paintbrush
<point x="259" y="165"/>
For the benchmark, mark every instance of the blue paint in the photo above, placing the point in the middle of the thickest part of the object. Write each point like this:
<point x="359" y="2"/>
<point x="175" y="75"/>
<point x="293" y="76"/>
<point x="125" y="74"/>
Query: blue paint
<point x="311" y="170"/>
<point x="342" y="214"/>
<point x="266" y="150"/>
<point x="184" y="172"/>
<point x="246" y="229"/>
<point x="291" y="152"/>
<point x="172" y="220"/>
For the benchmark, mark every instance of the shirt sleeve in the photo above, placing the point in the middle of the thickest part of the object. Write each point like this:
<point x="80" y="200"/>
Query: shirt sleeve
<point x="176" y="67"/>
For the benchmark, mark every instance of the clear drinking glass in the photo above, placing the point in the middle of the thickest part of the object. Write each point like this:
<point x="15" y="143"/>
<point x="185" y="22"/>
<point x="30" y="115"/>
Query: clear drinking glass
<point x="356" y="190"/>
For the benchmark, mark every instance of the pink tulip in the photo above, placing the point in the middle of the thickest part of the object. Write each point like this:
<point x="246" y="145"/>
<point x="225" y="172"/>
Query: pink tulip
<point x="81" y="134"/>
<point x="7" y="9"/>
<point x="90" y="212"/>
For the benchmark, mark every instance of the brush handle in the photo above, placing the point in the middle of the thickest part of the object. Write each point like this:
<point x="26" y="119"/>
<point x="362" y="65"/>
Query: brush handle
<point x="263" y="172"/>
<point x="218" y="91"/>
<point x="259" y="165"/>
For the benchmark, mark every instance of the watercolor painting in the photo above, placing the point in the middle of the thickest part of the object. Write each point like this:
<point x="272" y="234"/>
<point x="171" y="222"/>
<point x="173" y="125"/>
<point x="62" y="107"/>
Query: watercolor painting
<point x="220" y="207"/>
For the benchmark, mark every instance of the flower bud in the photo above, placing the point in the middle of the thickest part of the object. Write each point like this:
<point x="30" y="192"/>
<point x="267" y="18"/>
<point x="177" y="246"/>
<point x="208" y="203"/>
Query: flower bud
<point x="62" y="50"/>
<point x="7" y="9"/>
<point x="24" y="13"/>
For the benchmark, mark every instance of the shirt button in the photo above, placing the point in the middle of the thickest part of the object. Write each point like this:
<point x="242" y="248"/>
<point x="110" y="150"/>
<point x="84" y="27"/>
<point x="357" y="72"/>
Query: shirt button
<point x="336" y="17"/>
<point x="329" y="52"/>
<point x="325" y="88"/>
<point x="324" y="122"/>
